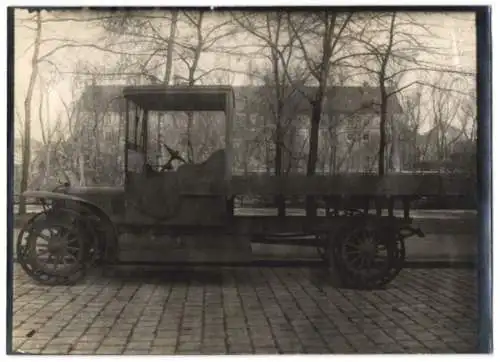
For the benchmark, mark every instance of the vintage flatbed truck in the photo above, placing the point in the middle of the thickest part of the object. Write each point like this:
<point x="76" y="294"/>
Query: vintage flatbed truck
<point x="189" y="212"/>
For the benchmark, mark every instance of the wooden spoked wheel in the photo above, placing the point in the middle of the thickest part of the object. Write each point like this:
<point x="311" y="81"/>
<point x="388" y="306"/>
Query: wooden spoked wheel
<point x="52" y="250"/>
<point x="367" y="257"/>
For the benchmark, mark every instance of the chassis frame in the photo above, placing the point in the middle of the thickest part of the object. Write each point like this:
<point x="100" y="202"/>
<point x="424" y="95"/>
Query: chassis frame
<point x="365" y="250"/>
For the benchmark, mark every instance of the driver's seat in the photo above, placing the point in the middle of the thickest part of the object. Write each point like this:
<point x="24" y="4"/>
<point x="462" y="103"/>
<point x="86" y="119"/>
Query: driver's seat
<point x="210" y="171"/>
<point x="202" y="191"/>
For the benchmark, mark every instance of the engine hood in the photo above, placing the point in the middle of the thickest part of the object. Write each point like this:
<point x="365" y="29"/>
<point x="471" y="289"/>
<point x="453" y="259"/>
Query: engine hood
<point x="110" y="199"/>
<point x="95" y="190"/>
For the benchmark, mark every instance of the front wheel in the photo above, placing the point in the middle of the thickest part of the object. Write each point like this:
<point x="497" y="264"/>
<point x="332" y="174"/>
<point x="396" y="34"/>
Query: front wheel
<point x="52" y="249"/>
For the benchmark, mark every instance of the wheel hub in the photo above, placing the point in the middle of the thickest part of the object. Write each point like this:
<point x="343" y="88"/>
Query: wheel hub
<point x="57" y="246"/>
<point x="368" y="259"/>
<point x="368" y="248"/>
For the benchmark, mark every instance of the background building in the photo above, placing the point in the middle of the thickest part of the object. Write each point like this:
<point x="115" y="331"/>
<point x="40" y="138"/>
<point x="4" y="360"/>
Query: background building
<point x="348" y="139"/>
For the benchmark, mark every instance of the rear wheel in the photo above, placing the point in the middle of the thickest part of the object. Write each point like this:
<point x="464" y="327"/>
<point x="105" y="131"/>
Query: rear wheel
<point x="368" y="257"/>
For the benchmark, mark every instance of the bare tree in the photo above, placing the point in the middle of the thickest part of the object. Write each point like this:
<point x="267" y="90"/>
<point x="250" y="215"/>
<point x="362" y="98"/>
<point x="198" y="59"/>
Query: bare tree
<point x="85" y="145"/>
<point x="445" y="107"/>
<point x="164" y="47"/>
<point x="392" y="50"/>
<point x="383" y="58"/>
<point x="415" y="113"/>
<point x="331" y="29"/>
<point x="27" y="110"/>
<point x="170" y="48"/>
<point x="396" y="46"/>
<point x="272" y="30"/>
<point x="36" y="23"/>
<point x="71" y="159"/>
<point x="345" y="129"/>
<point x="468" y="115"/>
<point x="205" y="33"/>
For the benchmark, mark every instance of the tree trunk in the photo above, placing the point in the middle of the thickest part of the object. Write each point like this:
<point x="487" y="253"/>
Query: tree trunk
<point x="291" y="141"/>
<point x="191" y="82"/>
<point x="333" y="159"/>
<point x="248" y="126"/>
<point x="158" y="137"/>
<point x="383" y="98"/>
<point x="245" y="161"/>
<point x="246" y="152"/>
<point x="382" y="129"/>
<point x="313" y="138"/>
<point x="266" y="149"/>
<point x="313" y="150"/>
<point x="168" y="69"/>
<point x="46" y="138"/>
<point x="81" y="167"/>
<point x="47" y="164"/>
<point x="390" y="153"/>
<point x="333" y="151"/>
<point x="97" y="155"/>
<point x="170" y="48"/>
<point x="278" y="164"/>
<point x="27" y="113"/>
<point x="396" y="154"/>
<point x="189" y="141"/>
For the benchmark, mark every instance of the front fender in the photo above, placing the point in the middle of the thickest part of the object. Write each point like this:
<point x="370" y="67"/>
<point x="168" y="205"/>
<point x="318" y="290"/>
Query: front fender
<point x="110" y="233"/>
<point x="51" y="195"/>
<point x="60" y="196"/>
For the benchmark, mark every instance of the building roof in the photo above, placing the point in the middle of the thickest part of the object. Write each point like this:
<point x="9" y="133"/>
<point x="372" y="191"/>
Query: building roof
<point x="159" y="97"/>
<point x="343" y="100"/>
<point x="451" y="132"/>
<point x="339" y="100"/>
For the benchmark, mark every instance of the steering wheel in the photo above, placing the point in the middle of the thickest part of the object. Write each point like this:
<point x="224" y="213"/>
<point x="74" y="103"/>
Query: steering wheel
<point x="174" y="155"/>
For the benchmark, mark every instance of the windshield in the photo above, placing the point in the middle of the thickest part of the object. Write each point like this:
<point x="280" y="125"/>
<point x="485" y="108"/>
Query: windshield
<point x="194" y="135"/>
<point x="165" y="133"/>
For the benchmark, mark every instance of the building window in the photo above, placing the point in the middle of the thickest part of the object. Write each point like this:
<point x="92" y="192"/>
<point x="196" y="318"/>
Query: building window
<point x="356" y="134"/>
<point x="303" y="132"/>
<point x="253" y="118"/>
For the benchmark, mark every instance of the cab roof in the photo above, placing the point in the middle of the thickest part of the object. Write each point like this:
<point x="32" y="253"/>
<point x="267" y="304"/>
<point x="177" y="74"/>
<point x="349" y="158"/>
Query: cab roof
<point x="159" y="97"/>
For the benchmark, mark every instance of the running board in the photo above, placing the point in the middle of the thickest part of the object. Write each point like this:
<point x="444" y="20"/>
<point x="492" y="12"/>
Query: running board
<point x="253" y="263"/>
<point x="290" y="263"/>
<point x="291" y="239"/>
<point x="439" y="264"/>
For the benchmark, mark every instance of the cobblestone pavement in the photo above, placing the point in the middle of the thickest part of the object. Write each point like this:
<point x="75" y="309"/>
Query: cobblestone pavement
<point x="244" y="311"/>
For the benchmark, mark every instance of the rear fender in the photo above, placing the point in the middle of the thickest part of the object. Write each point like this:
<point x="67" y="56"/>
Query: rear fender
<point x="110" y="237"/>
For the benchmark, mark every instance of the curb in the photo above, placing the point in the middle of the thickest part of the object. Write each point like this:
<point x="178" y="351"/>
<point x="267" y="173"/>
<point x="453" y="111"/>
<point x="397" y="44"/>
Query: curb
<point x="283" y="263"/>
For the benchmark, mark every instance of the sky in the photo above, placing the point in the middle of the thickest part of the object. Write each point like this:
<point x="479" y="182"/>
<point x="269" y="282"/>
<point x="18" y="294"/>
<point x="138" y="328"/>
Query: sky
<point x="456" y="36"/>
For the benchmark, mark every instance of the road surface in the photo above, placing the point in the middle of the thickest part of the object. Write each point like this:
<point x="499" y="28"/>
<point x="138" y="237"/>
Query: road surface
<point x="245" y="311"/>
